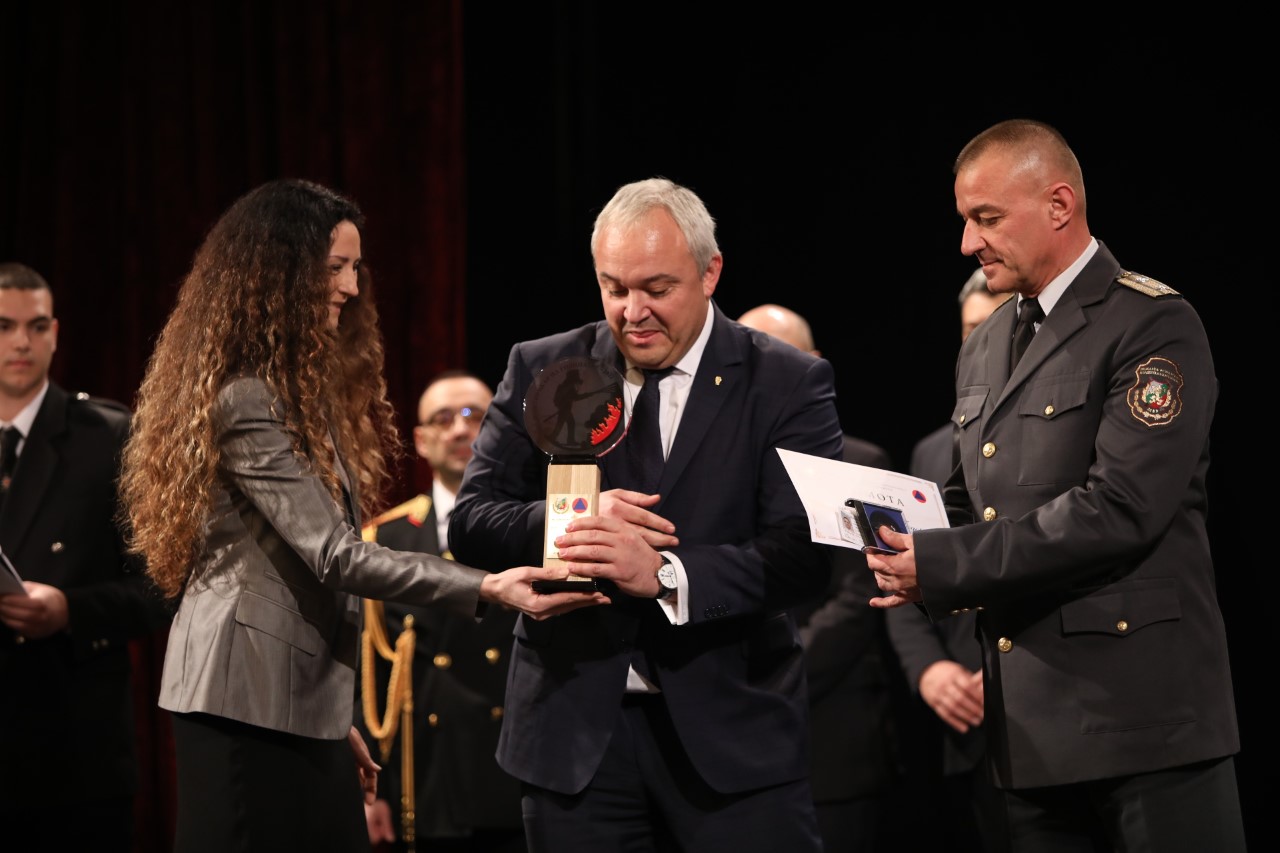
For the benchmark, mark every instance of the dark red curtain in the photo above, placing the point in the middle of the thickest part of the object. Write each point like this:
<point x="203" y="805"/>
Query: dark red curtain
<point x="126" y="128"/>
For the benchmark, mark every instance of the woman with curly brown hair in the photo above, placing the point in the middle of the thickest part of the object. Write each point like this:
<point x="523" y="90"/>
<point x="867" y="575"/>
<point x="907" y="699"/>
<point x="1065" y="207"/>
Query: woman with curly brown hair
<point x="258" y="442"/>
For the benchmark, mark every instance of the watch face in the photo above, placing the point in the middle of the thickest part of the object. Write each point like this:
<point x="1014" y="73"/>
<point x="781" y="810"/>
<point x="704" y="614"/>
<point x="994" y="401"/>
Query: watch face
<point x="667" y="576"/>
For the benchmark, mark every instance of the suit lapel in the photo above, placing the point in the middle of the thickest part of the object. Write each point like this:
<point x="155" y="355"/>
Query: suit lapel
<point x="719" y="374"/>
<point x="36" y="466"/>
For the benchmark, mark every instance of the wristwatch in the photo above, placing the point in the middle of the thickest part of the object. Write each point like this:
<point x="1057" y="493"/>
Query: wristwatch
<point x="667" y="582"/>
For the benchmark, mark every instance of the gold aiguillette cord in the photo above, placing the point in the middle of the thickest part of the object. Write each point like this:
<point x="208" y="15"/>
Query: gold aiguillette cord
<point x="399" y="707"/>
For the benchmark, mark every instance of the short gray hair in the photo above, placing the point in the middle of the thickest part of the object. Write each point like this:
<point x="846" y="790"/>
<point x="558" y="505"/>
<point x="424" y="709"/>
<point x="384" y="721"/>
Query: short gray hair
<point x="632" y="201"/>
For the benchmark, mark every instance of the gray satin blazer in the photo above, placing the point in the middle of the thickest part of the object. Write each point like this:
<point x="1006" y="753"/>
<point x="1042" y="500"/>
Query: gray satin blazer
<point x="267" y="630"/>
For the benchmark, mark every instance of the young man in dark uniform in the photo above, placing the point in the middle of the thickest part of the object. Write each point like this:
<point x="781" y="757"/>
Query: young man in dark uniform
<point x="66" y="700"/>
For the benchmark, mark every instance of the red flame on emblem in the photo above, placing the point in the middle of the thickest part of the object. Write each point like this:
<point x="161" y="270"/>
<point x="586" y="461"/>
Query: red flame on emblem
<point x="605" y="428"/>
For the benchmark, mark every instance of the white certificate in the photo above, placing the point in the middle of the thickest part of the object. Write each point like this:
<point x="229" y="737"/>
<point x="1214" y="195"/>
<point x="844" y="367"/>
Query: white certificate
<point x="833" y="493"/>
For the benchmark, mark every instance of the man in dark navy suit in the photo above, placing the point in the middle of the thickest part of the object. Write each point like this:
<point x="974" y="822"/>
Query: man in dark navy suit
<point x="675" y="717"/>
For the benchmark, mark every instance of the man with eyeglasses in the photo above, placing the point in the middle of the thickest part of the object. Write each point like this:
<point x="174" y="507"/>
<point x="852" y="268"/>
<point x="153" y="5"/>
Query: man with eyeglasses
<point x="463" y="800"/>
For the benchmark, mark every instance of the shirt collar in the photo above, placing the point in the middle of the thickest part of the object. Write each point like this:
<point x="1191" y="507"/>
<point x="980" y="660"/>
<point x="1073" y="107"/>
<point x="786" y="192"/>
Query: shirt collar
<point x="688" y="363"/>
<point x="441" y="499"/>
<point x="27" y="416"/>
<point x="1053" y="292"/>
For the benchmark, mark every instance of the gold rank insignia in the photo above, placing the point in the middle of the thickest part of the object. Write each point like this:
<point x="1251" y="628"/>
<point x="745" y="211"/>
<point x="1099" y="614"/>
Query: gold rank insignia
<point x="1144" y="284"/>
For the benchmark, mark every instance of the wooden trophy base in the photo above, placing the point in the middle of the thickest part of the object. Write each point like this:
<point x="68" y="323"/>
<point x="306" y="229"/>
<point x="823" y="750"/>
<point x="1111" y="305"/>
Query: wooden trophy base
<point x="573" y="491"/>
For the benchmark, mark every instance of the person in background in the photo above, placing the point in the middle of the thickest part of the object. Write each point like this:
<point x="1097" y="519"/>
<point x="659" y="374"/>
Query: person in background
<point x="942" y="661"/>
<point x="852" y="750"/>
<point x="677" y="717"/>
<point x="463" y="801"/>
<point x="66" y="698"/>
<point x="1083" y="412"/>
<point x="931" y="458"/>
<point x="257" y="445"/>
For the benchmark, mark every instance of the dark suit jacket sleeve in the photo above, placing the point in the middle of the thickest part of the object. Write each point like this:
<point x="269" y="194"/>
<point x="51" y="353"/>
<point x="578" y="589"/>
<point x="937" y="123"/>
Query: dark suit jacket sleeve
<point x="129" y="605"/>
<point x="503" y="494"/>
<point x="916" y="641"/>
<point x="124" y="608"/>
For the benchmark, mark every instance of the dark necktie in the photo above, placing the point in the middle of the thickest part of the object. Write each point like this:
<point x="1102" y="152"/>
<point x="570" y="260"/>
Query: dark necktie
<point x="643" y="443"/>
<point x="1029" y="314"/>
<point x="8" y="458"/>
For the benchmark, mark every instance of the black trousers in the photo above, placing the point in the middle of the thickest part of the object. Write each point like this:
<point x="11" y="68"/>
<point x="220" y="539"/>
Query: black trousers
<point x="1195" y="808"/>
<point x="647" y="797"/>
<point x="245" y="789"/>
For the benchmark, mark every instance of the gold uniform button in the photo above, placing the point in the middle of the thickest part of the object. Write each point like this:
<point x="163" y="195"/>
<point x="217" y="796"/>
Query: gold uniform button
<point x="989" y="449"/>
<point x="495" y="713"/>
<point x="56" y="547"/>
<point x="1004" y="644"/>
<point x="19" y="640"/>
<point x="989" y="514"/>
<point x="1048" y="410"/>
<point x="962" y="417"/>
<point x="492" y="655"/>
<point x="1122" y="626"/>
<point x="433" y="720"/>
<point x="442" y="661"/>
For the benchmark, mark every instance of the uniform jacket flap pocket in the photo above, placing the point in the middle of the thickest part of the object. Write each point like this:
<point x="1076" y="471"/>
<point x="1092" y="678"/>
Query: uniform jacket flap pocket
<point x="1051" y="397"/>
<point x="968" y="406"/>
<point x="280" y="622"/>
<point x="1122" y="611"/>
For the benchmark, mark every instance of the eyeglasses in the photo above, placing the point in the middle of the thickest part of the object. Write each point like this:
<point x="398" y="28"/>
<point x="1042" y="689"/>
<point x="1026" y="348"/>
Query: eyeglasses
<point x="444" y="418"/>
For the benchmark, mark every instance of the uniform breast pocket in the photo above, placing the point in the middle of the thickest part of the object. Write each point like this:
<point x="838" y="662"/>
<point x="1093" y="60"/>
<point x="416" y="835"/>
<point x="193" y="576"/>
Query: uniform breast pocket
<point x="966" y="415"/>
<point x="1056" y="441"/>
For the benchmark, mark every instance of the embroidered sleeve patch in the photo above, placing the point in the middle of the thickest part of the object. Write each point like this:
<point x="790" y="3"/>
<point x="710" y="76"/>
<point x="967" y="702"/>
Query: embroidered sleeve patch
<point x="1156" y="396"/>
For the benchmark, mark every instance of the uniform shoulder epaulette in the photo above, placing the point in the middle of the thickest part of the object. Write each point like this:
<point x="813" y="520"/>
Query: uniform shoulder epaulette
<point x="415" y="510"/>
<point x="1145" y="284"/>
